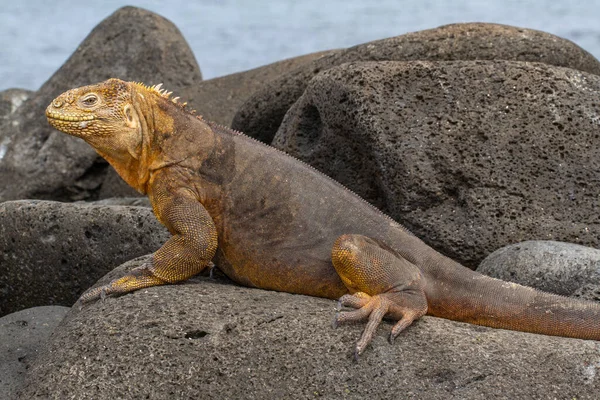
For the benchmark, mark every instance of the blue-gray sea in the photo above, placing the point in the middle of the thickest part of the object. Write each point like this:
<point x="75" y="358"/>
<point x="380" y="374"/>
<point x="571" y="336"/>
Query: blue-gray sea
<point x="227" y="36"/>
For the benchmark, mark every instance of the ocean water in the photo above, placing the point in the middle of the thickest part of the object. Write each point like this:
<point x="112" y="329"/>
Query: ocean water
<point x="233" y="35"/>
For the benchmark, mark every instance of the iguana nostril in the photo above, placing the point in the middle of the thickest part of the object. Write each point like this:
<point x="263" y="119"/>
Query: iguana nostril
<point x="57" y="104"/>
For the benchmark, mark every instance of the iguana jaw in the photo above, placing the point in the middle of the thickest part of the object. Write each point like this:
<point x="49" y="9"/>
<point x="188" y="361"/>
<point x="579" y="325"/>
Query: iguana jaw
<point x="70" y="118"/>
<point x="72" y="124"/>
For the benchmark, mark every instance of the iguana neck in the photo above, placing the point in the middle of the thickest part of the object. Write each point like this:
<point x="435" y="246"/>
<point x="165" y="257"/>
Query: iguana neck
<point x="128" y="168"/>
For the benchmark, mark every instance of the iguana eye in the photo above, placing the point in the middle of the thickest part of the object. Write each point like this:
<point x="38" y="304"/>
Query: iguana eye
<point x="90" y="100"/>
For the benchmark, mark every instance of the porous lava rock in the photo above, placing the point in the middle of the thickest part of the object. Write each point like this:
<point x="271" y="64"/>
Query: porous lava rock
<point x="51" y="252"/>
<point x="262" y="113"/>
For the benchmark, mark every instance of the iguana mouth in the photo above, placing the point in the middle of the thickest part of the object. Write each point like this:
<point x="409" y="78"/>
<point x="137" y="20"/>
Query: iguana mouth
<point x="69" y="117"/>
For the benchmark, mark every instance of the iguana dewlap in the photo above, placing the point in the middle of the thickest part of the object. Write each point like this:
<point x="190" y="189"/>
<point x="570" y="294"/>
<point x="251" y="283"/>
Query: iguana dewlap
<point x="270" y="221"/>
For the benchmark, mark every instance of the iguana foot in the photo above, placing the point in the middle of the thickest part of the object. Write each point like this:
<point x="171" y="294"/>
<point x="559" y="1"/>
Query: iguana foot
<point x="384" y="284"/>
<point x="373" y="310"/>
<point x="137" y="278"/>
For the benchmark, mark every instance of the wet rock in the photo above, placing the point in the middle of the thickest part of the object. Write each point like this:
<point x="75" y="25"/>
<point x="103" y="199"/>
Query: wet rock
<point x="131" y="44"/>
<point x="562" y="268"/>
<point x="219" y="99"/>
<point x="211" y="339"/>
<point x="11" y="100"/>
<point x="263" y="112"/>
<point x="24" y="334"/>
<point x="51" y="252"/>
<point x="469" y="155"/>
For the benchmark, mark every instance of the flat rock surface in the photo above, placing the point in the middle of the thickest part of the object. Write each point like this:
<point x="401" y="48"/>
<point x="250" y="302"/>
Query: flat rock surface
<point x="470" y="155"/>
<point x="23" y="334"/>
<point x="40" y="162"/>
<point x="210" y="339"/>
<point x="263" y="112"/>
<point x="562" y="268"/>
<point x="51" y="252"/>
<point x="219" y="99"/>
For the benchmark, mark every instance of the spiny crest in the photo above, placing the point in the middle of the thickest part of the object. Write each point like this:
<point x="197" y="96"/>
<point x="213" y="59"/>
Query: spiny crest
<point x="162" y="93"/>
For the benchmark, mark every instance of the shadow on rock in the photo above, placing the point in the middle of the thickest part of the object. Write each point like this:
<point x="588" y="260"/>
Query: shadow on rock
<point x="219" y="99"/>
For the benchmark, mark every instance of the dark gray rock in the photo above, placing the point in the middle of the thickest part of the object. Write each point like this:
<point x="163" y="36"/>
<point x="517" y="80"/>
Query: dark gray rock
<point x="207" y="339"/>
<point x="562" y="268"/>
<point x="263" y="112"/>
<point x="219" y="99"/>
<point x="469" y="155"/>
<point x="24" y="334"/>
<point x="131" y="44"/>
<point x="51" y="252"/>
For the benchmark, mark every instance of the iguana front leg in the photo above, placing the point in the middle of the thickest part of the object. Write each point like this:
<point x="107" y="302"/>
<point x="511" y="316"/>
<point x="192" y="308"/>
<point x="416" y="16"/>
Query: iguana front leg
<point x="184" y="255"/>
<point x="382" y="283"/>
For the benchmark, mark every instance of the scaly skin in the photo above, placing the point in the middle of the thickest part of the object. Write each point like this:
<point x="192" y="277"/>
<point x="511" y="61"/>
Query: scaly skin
<point x="272" y="222"/>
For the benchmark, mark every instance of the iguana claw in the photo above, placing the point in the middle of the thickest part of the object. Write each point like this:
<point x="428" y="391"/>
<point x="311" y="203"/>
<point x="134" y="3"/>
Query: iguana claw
<point x="211" y="269"/>
<point x="334" y="322"/>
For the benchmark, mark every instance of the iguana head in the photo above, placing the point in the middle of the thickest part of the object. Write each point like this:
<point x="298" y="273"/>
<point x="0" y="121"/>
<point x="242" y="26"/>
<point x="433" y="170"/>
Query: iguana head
<point x="97" y="110"/>
<point x="110" y="116"/>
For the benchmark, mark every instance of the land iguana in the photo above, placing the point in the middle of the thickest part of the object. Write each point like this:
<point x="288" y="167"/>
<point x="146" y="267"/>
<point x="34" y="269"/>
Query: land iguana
<point x="273" y="222"/>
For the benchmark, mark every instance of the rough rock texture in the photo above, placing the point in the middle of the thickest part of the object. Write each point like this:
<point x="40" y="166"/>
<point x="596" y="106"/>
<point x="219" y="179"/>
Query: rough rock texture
<point x="219" y="99"/>
<point x="563" y="268"/>
<point x="262" y="113"/>
<point x="51" y="252"/>
<point x="131" y="44"/>
<point x="24" y="334"/>
<point x="469" y="155"/>
<point x="206" y="339"/>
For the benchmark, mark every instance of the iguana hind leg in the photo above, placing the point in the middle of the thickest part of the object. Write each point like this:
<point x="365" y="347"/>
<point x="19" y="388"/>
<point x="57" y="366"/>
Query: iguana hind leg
<point x="381" y="282"/>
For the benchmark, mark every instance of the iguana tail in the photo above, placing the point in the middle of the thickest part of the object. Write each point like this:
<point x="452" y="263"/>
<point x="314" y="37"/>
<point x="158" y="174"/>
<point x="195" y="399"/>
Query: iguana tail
<point x="478" y="299"/>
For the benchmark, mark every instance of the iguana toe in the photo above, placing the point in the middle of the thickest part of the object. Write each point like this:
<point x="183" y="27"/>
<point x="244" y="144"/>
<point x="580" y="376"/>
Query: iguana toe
<point x="93" y="294"/>
<point x="138" y="278"/>
<point x="356" y="300"/>
<point x="372" y="308"/>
